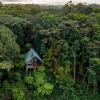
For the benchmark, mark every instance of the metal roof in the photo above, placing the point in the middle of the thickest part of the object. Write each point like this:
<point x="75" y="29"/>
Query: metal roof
<point x="32" y="54"/>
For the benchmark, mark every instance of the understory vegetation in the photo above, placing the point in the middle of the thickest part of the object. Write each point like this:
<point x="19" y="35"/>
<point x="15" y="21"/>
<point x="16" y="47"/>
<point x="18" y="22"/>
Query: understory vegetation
<point x="68" y="40"/>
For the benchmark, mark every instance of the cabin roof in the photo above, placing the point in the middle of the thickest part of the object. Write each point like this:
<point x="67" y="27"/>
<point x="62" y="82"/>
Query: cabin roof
<point x="31" y="54"/>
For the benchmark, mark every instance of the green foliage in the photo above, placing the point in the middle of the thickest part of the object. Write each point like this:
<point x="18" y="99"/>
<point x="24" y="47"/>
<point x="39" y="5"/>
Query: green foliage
<point x="20" y="27"/>
<point x="6" y="85"/>
<point x="94" y="71"/>
<point x="45" y="89"/>
<point x="17" y="76"/>
<point x="62" y="74"/>
<point x="9" y="49"/>
<point x="42" y="86"/>
<point x="11" y="91"/>
<point x="29" y="80"/>
<point x="67" y="39"/>
<point x="78" y="17"/>
<point x="18" y="94"/>
<point x="37" y="81"/>
<point x="5" y="65"/>
<point x="80" y="8"/>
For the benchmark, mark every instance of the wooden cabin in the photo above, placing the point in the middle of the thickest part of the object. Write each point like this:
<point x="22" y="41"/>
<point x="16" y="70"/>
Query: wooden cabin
<point x="33" y="60"/>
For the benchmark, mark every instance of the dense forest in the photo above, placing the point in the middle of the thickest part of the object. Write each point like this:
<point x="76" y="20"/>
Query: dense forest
<point x="67" y="38"/>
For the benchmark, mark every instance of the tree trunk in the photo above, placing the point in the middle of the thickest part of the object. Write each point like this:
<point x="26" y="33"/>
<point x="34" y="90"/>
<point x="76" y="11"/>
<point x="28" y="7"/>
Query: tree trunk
<point x="75" y="66"/>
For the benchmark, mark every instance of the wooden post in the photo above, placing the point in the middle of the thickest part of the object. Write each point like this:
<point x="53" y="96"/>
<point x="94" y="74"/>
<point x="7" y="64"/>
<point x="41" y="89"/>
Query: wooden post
<point x="26" y="69"/>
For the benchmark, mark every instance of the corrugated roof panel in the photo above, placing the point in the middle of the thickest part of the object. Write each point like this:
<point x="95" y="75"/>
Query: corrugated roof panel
<point x="32" y="54"/>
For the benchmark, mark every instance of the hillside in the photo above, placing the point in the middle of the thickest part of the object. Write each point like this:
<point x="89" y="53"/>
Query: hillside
<point x="50" y="52"/>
